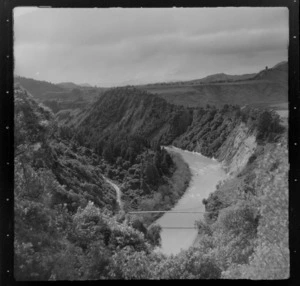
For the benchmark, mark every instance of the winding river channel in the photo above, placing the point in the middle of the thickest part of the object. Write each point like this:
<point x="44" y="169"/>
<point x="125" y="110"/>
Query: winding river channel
<point x="206" y="173"/>
<point x="178" y="229"/>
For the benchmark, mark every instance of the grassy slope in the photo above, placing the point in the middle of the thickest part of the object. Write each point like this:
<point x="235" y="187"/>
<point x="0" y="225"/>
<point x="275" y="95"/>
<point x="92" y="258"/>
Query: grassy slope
<point x="266" y="88"/>
<point x="242" y="93"/>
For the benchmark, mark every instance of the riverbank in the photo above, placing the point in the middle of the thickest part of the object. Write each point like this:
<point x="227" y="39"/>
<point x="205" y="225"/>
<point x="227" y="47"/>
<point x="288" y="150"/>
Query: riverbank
<point x="164" y="198"/>
<point x="168" y="195"/>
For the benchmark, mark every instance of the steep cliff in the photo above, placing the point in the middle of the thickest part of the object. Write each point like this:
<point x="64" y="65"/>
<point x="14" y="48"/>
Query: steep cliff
<point x="237" y="149"/>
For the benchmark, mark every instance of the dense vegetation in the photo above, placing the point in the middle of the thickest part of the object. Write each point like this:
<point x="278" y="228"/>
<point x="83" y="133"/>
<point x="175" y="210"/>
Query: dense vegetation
<point x="67" y="221"/>
<point x="246" y="223"/>
<point x="127" y="128"/>
<point x="211" y="127"/>
<point x="129" y="111"/>
<point x="39" y="149"/>
<point x="127" y="116"/>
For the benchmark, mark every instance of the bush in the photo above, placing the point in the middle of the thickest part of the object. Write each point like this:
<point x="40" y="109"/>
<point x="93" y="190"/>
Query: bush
<point x="153" y="235"/>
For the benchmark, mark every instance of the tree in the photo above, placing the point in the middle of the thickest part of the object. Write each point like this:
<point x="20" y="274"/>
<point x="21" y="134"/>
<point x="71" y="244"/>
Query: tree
<point x="138" y="225"/>
<point x="128" y="264"/>
<point x="108" y="153"/>
<point x="151" y="174"/>
<point x="264" y="123"/>
<point x="191" y="264"/>
<point x="153" y="235"/>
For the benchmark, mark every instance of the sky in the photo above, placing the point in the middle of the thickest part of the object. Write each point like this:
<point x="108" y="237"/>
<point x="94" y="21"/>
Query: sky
<point x="121" y="46"/>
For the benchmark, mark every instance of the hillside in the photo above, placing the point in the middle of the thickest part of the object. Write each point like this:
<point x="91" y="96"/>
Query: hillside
<point x="246" y="220"/>
<point x="127" y="128"/>
<point x="263" y="89"/>
<point x="63" y="204"/>
<point x="68" y="85"/>
<point x="38" y="89"/>
<point x="39" y="146"/>
<point x="129" y="111"/>
<point x="133" y="112"/>
<point x="67" y="224"/>
<point x="276" y="74"/>
<point x="85" y="85"/>
<point x="222" y="77"/>
<point x="125" y="122"/>
<point x="62" y="96"/>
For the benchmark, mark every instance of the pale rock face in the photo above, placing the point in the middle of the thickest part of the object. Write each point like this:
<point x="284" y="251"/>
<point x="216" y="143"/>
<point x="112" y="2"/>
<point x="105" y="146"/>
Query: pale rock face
<point x="237" y="149"/>
<point x="244" y="152"/>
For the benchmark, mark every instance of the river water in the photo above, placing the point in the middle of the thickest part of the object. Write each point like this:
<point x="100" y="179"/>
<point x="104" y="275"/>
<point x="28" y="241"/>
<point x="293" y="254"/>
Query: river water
<point x="206" y="173"/>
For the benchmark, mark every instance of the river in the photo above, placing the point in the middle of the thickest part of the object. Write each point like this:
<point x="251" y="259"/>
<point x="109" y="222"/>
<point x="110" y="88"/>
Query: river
<point x="206" y="173"/>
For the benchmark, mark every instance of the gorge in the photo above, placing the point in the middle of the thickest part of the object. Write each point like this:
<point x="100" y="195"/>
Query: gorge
<point x="67" y="205"/>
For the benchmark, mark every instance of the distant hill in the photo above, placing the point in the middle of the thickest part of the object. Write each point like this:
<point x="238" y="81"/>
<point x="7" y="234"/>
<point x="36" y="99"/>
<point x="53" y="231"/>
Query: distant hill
<point x="85" y="85"/>
<point x="72" y="85"/>
<point x="38" y="88"/>
<point x="268" y="87"/>
<point x="276" y="74"/>
<point x="282" y="65"/>
<point x="265" y="88"/>
<point x="68" y="85"/>
<point x="220" y="77"/>
<point x="60" y="96"/>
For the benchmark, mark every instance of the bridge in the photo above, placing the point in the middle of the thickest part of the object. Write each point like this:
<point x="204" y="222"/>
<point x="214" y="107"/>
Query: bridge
<point x="175" y="212"/>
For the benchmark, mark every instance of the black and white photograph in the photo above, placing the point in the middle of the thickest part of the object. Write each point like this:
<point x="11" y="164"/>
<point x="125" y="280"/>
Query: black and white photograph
<point x="151" y="143"/>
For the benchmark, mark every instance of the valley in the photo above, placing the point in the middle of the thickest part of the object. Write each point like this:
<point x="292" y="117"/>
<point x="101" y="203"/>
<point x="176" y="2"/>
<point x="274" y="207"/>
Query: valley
<point x="209" y="146"/>
<point x="148" y="143"/>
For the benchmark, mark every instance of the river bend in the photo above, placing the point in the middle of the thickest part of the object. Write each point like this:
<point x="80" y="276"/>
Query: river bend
<point x="206" y="173"/>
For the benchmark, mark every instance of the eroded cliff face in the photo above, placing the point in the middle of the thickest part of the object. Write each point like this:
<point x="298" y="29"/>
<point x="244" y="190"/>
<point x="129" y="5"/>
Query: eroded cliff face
<point x="237" y="149"/>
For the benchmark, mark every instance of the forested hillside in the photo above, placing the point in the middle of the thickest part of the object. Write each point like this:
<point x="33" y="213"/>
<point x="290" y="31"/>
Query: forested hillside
<point x="133" y="112"/>
<point x="130" y="119"/>
<point x="65" y="212"/>
<point x="127" y="128"/>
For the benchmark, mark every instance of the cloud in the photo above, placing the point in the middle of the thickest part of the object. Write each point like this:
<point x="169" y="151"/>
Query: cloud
<point x="111" y="46"/>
